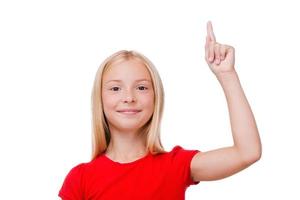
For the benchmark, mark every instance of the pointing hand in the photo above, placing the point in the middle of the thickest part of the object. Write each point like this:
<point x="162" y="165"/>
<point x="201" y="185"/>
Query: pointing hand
<point x="219" y="57"/>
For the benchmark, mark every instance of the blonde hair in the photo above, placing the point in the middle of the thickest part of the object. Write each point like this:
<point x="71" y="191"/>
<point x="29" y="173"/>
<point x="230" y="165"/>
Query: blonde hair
<point x="100" y="129"/>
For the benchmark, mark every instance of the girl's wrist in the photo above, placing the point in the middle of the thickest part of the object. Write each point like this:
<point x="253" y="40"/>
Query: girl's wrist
<point x="227" y="76"/>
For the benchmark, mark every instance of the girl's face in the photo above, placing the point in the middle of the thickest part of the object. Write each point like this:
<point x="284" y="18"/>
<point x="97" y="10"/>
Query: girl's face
<point x="127" y="95"/>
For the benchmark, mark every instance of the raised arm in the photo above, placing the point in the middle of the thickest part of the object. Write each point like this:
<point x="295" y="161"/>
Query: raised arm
<point x="223" y="162"/>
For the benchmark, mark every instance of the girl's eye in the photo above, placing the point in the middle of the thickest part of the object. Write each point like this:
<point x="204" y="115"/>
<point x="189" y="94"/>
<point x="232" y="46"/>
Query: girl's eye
<point x="140" y="87"/>
<point x="118" y="88"/>
<point x="114" y="88"/>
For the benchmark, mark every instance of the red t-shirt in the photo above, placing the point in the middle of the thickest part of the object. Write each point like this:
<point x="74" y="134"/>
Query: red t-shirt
<point x="153" y="177"/>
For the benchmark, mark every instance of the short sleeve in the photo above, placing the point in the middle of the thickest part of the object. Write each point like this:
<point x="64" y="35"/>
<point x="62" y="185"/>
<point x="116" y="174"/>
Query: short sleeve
<point x="72" y="185"/>
<point x="182" y="162"/>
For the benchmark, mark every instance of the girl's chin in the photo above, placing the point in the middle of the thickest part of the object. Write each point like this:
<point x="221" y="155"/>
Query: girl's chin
<point x="128" y="124"/>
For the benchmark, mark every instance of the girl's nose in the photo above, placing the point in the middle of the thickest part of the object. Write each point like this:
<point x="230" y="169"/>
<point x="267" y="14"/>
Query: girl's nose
<point x="129" y="97"/>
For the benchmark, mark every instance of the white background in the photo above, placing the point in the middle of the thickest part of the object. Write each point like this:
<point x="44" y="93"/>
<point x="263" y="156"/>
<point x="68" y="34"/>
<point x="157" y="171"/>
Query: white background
<point x="50" y="52"/>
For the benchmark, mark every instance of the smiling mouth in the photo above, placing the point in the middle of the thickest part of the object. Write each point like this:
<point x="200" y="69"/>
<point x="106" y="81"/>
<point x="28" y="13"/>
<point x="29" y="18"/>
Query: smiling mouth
<point x="129" y="112"/>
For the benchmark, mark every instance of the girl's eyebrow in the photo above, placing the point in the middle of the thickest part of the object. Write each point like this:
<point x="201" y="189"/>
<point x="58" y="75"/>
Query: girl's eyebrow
<point x="138" y="80"/>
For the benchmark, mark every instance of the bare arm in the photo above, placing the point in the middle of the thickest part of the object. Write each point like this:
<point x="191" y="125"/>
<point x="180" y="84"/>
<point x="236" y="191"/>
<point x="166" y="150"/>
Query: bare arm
<point x="223" y="162"/>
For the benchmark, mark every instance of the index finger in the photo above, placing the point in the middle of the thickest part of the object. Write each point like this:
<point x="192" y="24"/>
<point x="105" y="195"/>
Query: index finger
<point x="210" y="32"/>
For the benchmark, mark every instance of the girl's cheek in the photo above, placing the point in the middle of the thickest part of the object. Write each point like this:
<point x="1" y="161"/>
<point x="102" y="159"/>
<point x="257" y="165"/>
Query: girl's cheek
<point x="110" y="100"/>
<point x="107" y="99"/>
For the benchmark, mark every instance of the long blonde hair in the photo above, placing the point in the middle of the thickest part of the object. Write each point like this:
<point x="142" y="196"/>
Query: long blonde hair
<point x="100" y="130"/>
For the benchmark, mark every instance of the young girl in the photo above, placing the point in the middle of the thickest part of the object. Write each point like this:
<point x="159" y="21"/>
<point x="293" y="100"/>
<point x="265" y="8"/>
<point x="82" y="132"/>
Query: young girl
<point x="128" y="160"/>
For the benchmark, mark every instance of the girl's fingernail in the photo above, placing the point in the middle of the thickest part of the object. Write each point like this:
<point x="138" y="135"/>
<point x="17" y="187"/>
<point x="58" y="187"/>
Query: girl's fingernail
<point x="210" y="58"/>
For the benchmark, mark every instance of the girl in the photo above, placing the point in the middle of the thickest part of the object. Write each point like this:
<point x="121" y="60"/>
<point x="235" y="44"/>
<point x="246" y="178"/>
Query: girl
<point x="128" y="159"/>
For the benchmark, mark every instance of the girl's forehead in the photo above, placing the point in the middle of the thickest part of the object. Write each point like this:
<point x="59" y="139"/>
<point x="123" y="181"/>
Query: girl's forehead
<point x="129" y="69"/>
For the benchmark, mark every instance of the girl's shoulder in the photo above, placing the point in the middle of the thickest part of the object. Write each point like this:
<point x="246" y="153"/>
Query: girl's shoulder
<point x="179" y="149"/>
<point x="71" y="188"/>
<point x="179" y="154"/>
<point x="76" y="171"/>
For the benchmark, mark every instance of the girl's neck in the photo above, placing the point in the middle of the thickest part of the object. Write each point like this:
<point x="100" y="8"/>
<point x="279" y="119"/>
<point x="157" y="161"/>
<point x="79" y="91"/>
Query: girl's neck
<point x="126" y="148"/>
